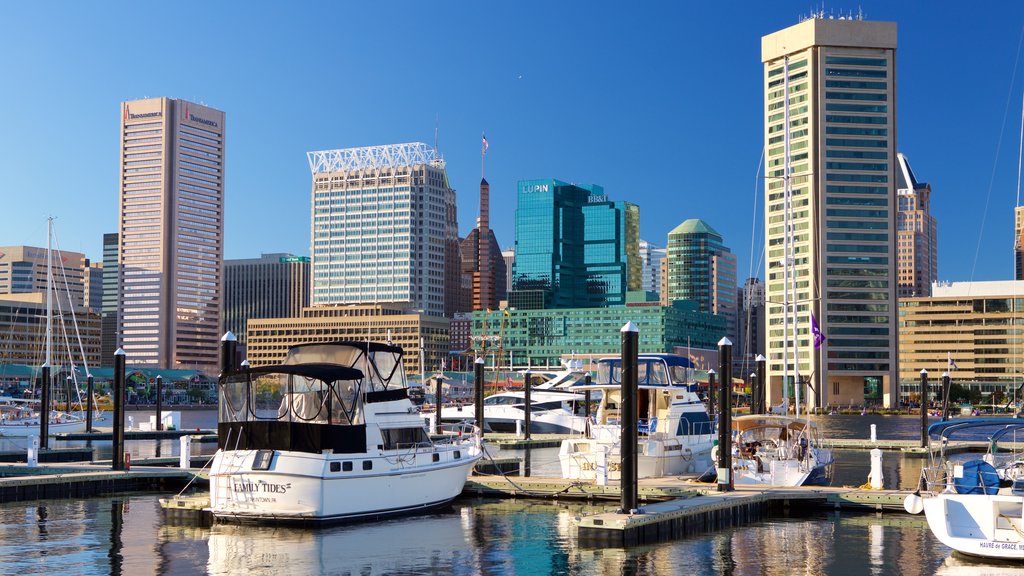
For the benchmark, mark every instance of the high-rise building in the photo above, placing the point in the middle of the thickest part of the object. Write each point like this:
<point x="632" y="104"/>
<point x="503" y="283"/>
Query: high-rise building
<point x="93" y="285"/>
<point x="23" y="333"/>
<point x="171" y="233"/>
<point x="108" y="315"/>
<point x="574" y="247"/>
<point x="916" y="235"/>
<point x="830" y="105"/>
<point x="1018" y="243"/>
<point x="650" y="260"/>
<point x="749" y="324"/>
<point x="701" y="268"/>
<point x="509" y="256"/>
<point x="271" y="286"/>
<point x="23" y="271"/>
<point x="482" y="261"/>
<point x="382" y="227"/>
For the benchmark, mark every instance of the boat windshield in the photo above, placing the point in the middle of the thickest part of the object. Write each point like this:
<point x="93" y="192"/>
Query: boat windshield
<point x="311" y="394"/>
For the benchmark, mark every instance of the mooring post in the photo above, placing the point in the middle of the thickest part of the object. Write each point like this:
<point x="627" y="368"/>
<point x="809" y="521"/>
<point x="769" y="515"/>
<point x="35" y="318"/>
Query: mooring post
<point x="762" y="385"/>
<point x="185" y="452"/>
<point x="924" y="408"/>
<point x="228" y="351"/>
<point x="945" y="396"/>
<point x="44" y="409"/>
<point x="753" y="391"/>
<point x="527" y="384"/>
<point x="117" y="458"/>
<point x="628" y="465"/>
<point x="90" y="388"/>
<point x="712" y="405"/>
<point x="586" y="398"/>
<point x="725" y="483"/>
<point x="159" y="395"/>
<point x="478" y="406"/>
<point x="438" y="402"/>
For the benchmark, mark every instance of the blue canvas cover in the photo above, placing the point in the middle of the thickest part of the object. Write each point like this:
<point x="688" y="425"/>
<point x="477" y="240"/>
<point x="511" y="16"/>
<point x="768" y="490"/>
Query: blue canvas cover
<point x="979" y="478"/>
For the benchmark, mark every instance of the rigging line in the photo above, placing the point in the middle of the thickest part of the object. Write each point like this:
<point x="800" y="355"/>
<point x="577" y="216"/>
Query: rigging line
<point x="995" y="161"/>
<point x="750" y="264"/>
<point x="74" y="317"/>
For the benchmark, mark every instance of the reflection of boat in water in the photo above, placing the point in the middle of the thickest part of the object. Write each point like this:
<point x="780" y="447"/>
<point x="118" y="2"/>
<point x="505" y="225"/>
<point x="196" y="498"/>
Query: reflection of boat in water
<point x="330" y="435"/>
<point x="675" y="433"/>
<point x="974" y="507"/>
<point x="959" y="565"/>
<point x="553" y="408"/>
<point x="779" y="451"/>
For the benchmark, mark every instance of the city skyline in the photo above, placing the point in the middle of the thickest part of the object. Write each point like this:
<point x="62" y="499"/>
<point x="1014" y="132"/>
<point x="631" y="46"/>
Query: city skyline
<point x="576" y="105"/>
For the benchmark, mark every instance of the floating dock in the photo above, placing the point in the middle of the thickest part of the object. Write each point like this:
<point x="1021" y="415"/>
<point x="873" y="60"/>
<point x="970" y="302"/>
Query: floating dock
<point x="21" y="482"/>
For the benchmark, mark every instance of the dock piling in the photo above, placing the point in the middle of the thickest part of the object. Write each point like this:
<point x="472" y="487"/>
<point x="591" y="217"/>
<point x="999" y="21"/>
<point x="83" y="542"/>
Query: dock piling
<point x="762" y="385"/>
<point x="185" y="452"/>
<point x="527" y="384"/>
<point x="945" y="396"/>
<point x="89" y="406"/>
<point x="438" y="403"/>
<point x="924" y="408"/>
<point x="44" y="410"/>
<point x="159" y="399"/>
<point x="478" y="384"/>
<point x="628" y="417"/>
<point x="725" y="483"/>
<point x="117" y="458"/>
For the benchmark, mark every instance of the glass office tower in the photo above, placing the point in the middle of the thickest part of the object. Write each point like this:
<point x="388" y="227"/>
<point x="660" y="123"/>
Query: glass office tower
<point x="574" y="247"/>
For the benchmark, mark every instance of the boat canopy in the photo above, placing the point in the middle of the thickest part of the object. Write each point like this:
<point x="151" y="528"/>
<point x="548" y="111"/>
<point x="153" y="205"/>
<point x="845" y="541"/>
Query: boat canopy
<point x="744" y="423"/>
<point x="326" y="373"/>
<point x="974" y="428"/>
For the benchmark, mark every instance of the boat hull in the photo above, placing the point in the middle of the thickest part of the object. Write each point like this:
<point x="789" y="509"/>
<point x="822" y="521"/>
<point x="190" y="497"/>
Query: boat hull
<point x="32" y="428"/>
<point x="977" y="524"/>
<point x="655" y="458"/>
<point x="315" y="488"/>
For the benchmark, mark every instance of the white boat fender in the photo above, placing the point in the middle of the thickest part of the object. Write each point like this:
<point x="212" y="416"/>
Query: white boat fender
<point x="913" y="504"/>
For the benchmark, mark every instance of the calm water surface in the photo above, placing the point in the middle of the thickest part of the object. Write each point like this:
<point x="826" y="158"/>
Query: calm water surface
<point x="129" y="535"/>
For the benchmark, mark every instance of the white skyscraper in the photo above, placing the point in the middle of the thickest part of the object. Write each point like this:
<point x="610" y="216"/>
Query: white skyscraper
<point x="381" y="226"/>
<point x="171" y="233"/>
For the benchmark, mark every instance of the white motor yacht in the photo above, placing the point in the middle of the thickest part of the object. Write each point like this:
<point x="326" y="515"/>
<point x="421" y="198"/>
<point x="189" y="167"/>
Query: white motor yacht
<point x="554" y="409"/>
<point x="675" y="433"/>
<point x="330" y="436"/>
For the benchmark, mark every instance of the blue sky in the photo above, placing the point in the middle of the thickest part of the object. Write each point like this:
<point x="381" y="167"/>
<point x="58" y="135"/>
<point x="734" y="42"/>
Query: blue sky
<point x="658" y="102"/>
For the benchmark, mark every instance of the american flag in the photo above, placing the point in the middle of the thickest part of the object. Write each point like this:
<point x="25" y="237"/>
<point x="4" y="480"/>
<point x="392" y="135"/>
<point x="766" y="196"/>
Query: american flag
<point x="484" y="150"/>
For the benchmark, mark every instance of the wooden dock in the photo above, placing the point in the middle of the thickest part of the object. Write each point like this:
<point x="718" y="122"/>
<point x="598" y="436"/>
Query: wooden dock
<point x="20" y="482"/>
<point x="674" y="507"/>
<point x="199" y="435"/>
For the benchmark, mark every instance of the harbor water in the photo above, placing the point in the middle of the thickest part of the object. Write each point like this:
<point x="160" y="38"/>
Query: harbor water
<point x="128" y="534"/>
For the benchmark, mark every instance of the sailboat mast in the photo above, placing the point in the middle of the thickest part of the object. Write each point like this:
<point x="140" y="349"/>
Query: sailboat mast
<point x="49" y="290"/>
<point x="785" y="238"/>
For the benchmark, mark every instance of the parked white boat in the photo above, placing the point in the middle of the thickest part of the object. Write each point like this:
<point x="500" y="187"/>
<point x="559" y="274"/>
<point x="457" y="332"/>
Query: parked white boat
<point x="779" y="451"/>
<point x="976" y="507"/>
<point x="330" y="436"/>
<point x="675" y="433"/>
<point x="554" y="409"/>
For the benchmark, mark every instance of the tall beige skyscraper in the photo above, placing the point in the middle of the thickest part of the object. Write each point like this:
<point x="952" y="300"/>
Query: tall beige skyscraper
<point x="840" y="117"/>
<point x="171" y="233"/>
<point x="917" y="239"/>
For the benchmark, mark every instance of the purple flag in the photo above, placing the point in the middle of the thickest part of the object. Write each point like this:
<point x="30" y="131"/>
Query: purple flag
<point x="819" y="338"/>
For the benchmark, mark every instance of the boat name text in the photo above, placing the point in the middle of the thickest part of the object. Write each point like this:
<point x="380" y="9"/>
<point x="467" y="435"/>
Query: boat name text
<point x="264" y="487"/>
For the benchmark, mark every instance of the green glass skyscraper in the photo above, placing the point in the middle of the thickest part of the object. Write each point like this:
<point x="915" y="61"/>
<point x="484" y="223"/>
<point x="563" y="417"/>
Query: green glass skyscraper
<point x="574" y="247"/>
<point x="701" y="268"/>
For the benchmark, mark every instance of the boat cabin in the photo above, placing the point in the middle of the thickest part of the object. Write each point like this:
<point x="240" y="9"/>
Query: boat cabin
<point x="317" y="400"/>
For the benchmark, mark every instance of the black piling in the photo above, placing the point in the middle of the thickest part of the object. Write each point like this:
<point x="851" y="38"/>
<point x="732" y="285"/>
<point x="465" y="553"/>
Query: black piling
<point x="527" y="384"/>
<point x="117" y="458"/>
<point x="924" y="408"/>
<point x="228" y="351"/>
<point x="725" y="483"/>
<point x="159" y="402"/>
<point x="44" y="410"/>
<point x="478" y="397"/>
<point x="628" y="466"/>
<point x="762" y="385"/>
<point x="586" y="398"/>
<point x="945" y="396"/>
<point x="712" y="406"/>
<point x="90" y="388"/>
<point x="438" y="403"/>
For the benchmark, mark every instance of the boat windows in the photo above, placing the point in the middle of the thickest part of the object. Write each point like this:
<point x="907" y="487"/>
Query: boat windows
<point x="335" y="466"/>
<point x="367" y="464"/>
<point x="396" y="438"/>
<point x="292" y="396"/>
<point x="346" y="466"/>
<point x="262" y="459"/>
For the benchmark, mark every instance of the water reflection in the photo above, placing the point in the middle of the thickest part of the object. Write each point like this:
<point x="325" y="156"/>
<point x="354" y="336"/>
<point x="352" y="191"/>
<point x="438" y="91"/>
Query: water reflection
<point x="121" y="535"/>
